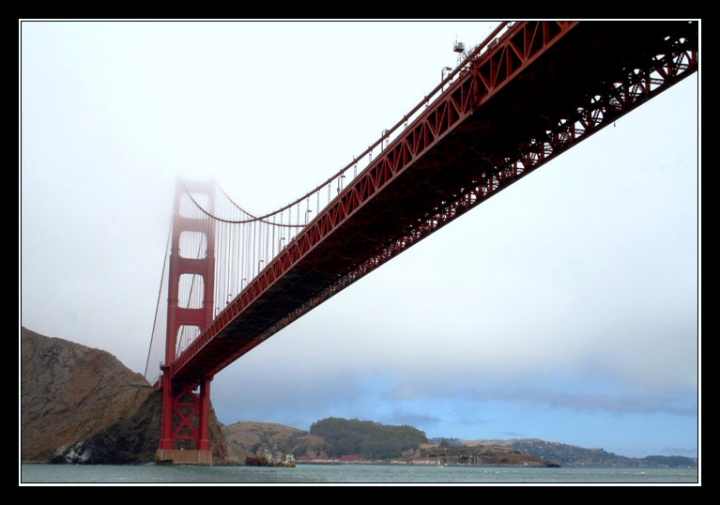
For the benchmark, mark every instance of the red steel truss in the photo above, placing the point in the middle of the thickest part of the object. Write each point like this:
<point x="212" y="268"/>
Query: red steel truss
<point x="532" y="94"/>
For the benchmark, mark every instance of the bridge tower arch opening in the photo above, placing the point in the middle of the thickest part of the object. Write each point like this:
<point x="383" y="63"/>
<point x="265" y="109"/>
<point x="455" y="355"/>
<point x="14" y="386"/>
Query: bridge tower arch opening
<point x="185" y="427"/>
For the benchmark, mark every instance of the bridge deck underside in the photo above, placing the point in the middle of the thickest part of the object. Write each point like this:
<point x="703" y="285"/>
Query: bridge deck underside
<point x="548" y="90"/>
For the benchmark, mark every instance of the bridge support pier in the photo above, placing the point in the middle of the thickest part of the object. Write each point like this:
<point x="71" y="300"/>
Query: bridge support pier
<point x="183" y="457"/>
<point x="185" y="428"/>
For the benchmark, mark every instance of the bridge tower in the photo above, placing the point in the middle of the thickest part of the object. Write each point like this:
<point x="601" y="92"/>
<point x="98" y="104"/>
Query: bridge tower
<point x="185" y="430"/>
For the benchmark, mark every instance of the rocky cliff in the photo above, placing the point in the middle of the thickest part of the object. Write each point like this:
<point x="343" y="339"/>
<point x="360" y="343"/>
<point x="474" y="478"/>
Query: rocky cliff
<point x="81" y="405"/>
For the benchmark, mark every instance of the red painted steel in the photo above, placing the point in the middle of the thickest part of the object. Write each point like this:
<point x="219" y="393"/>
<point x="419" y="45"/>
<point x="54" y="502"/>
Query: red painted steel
<point x="185" y="414"/>
<point x="541" y="88"/>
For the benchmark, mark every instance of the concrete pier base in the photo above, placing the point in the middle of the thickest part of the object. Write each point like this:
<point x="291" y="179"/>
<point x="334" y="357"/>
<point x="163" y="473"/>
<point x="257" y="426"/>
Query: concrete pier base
<point x="183" y="457"/>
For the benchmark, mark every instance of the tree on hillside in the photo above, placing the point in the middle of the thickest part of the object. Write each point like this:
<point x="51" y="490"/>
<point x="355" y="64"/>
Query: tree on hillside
<point x="368" y="439"/>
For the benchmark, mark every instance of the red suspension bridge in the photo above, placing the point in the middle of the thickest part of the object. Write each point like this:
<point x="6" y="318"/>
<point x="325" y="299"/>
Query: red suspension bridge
<point x="527" y="93"/>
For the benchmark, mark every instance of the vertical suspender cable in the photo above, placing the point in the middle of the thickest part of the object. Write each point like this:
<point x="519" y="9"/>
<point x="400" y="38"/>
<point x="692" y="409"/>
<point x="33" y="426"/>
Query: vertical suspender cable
<point x="157" y="307"/>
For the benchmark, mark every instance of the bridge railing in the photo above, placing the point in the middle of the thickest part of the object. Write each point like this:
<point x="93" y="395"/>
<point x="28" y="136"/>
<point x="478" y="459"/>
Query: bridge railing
<point x="389" y="135"/>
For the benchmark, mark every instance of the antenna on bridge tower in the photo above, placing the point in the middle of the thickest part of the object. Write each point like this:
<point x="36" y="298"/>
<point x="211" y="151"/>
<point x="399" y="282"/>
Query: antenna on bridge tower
<point x="459" y="48"/>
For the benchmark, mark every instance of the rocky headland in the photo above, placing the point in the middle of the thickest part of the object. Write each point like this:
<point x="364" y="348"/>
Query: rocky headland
<point x="82" y="405"/>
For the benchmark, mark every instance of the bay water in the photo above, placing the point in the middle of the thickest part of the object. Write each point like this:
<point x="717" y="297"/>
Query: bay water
<point x="151" y="474"/>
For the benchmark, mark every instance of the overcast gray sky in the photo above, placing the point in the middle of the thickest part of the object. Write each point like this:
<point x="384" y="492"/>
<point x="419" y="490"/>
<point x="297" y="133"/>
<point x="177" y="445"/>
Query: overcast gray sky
<point x="565" y="308"/>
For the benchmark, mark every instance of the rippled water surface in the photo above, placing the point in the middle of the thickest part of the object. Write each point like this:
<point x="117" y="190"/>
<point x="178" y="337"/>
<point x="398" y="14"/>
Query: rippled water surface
<point x="357" y="474"/>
